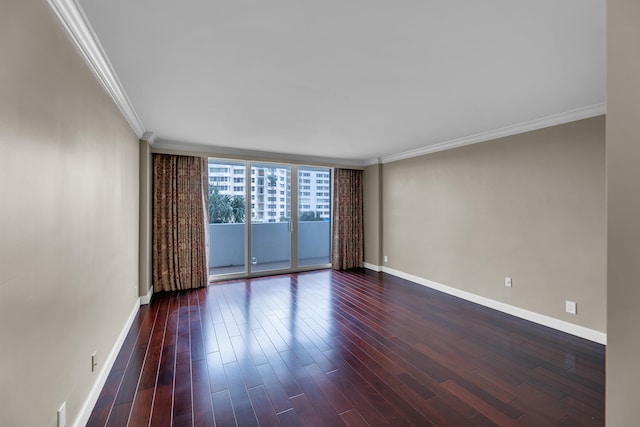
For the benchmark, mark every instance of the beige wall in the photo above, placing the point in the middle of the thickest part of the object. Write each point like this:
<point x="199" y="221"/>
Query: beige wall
<point x="68" y="219"/>
<point x="623" y="211"/>
<point x="372" y="176"/>
<point x="529" y="206"/>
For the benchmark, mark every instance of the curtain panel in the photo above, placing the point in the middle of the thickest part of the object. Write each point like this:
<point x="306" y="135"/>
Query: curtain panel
<point x="347" y="245"/>
<point x="180" y="200"/>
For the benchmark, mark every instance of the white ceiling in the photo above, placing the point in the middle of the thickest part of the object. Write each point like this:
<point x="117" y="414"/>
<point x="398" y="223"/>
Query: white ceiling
<point x="351" y="79"/>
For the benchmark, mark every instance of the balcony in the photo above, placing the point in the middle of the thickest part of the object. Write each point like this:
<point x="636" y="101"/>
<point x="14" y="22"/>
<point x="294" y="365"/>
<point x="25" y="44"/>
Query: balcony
<point x="270" y="246"/>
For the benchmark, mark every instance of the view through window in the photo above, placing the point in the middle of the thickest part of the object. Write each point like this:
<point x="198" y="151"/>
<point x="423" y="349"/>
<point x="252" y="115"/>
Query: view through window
<point x="265" y="193"/>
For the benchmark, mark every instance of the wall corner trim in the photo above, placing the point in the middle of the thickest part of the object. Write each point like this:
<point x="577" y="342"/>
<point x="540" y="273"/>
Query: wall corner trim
<point x="146" y="299"/>
<point x="77" y="26"/>
<point x="373" y="267"/>
<point x="541" y="319"/>
<point x="92" y="398"/>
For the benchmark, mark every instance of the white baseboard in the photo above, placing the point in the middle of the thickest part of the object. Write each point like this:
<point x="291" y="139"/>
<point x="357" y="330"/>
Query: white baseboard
<point x="541" y="319"/>
<point x="146" y="299"/>
<point x="92" y="398"/>
<point x="373" y="267"/>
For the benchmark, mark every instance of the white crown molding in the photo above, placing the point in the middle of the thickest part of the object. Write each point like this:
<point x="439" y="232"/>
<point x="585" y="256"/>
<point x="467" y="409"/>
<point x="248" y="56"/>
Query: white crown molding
<point x="541" y="319"/>
<point x="149" y="137"/>
<point x="215" y="151"/>
<point x="544" y="122"/>
<point x="76" y="24"/>
<point x="371" y="162"/>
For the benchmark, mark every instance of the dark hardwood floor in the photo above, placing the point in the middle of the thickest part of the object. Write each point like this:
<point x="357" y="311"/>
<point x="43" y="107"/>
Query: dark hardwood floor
<point x="354" y="348"/>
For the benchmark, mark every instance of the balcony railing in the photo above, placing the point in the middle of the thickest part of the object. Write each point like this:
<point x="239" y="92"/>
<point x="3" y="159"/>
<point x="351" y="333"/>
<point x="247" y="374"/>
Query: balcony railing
<point x="270" y="245"/>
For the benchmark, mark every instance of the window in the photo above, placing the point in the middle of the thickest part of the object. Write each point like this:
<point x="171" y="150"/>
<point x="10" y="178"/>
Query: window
<point x="214" y="169"/>
<point x="270" y="202"/>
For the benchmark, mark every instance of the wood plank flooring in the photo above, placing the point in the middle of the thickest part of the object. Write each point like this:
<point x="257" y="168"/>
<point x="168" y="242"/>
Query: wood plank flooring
<point x="354" y="348"/>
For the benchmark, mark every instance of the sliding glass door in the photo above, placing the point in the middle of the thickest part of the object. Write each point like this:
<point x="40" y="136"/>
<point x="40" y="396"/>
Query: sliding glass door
<point x="252" y="228"/>
<point x="227" y="217"/>
<point x="314" y="216"/>
<point x="270" y="217"/>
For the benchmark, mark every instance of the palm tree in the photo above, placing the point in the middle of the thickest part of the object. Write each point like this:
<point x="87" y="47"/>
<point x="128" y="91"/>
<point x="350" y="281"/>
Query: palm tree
<point x="219" y="206"/>
<point x="238" y="209"/>
<point x="224" y="208"/>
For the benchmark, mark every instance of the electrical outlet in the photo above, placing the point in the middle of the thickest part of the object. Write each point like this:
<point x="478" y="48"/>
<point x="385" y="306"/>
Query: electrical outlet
<point x="507" y="281"/>
<point x="94" y="361"/>
<point x="62" y="415"/>
<point x="571" y="307"/>
<point x="386" y="258"/>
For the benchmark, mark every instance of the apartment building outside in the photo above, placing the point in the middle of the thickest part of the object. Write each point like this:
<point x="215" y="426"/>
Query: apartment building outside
<point x="270" y="189"/>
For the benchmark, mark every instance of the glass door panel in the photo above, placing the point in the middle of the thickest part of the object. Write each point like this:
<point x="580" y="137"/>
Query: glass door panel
<point x="227" y="217"/>
<point x="270" y="217"/>
<point x="314" y="216"/>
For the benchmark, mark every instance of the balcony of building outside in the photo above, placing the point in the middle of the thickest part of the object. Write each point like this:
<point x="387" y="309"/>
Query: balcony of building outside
<point x="270" y="246"/>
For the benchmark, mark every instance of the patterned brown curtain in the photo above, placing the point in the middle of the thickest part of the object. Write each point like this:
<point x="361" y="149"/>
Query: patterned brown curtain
<point x="180" y="200"/>
<point x="347" y="246"/>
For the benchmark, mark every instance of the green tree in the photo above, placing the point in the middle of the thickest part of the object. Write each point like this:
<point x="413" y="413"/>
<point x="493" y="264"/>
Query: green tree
<point x="224" y="208"/>
<point x="238" y="209"/>
<point x="310" y="216"/>
<point x="219" y="206"/>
